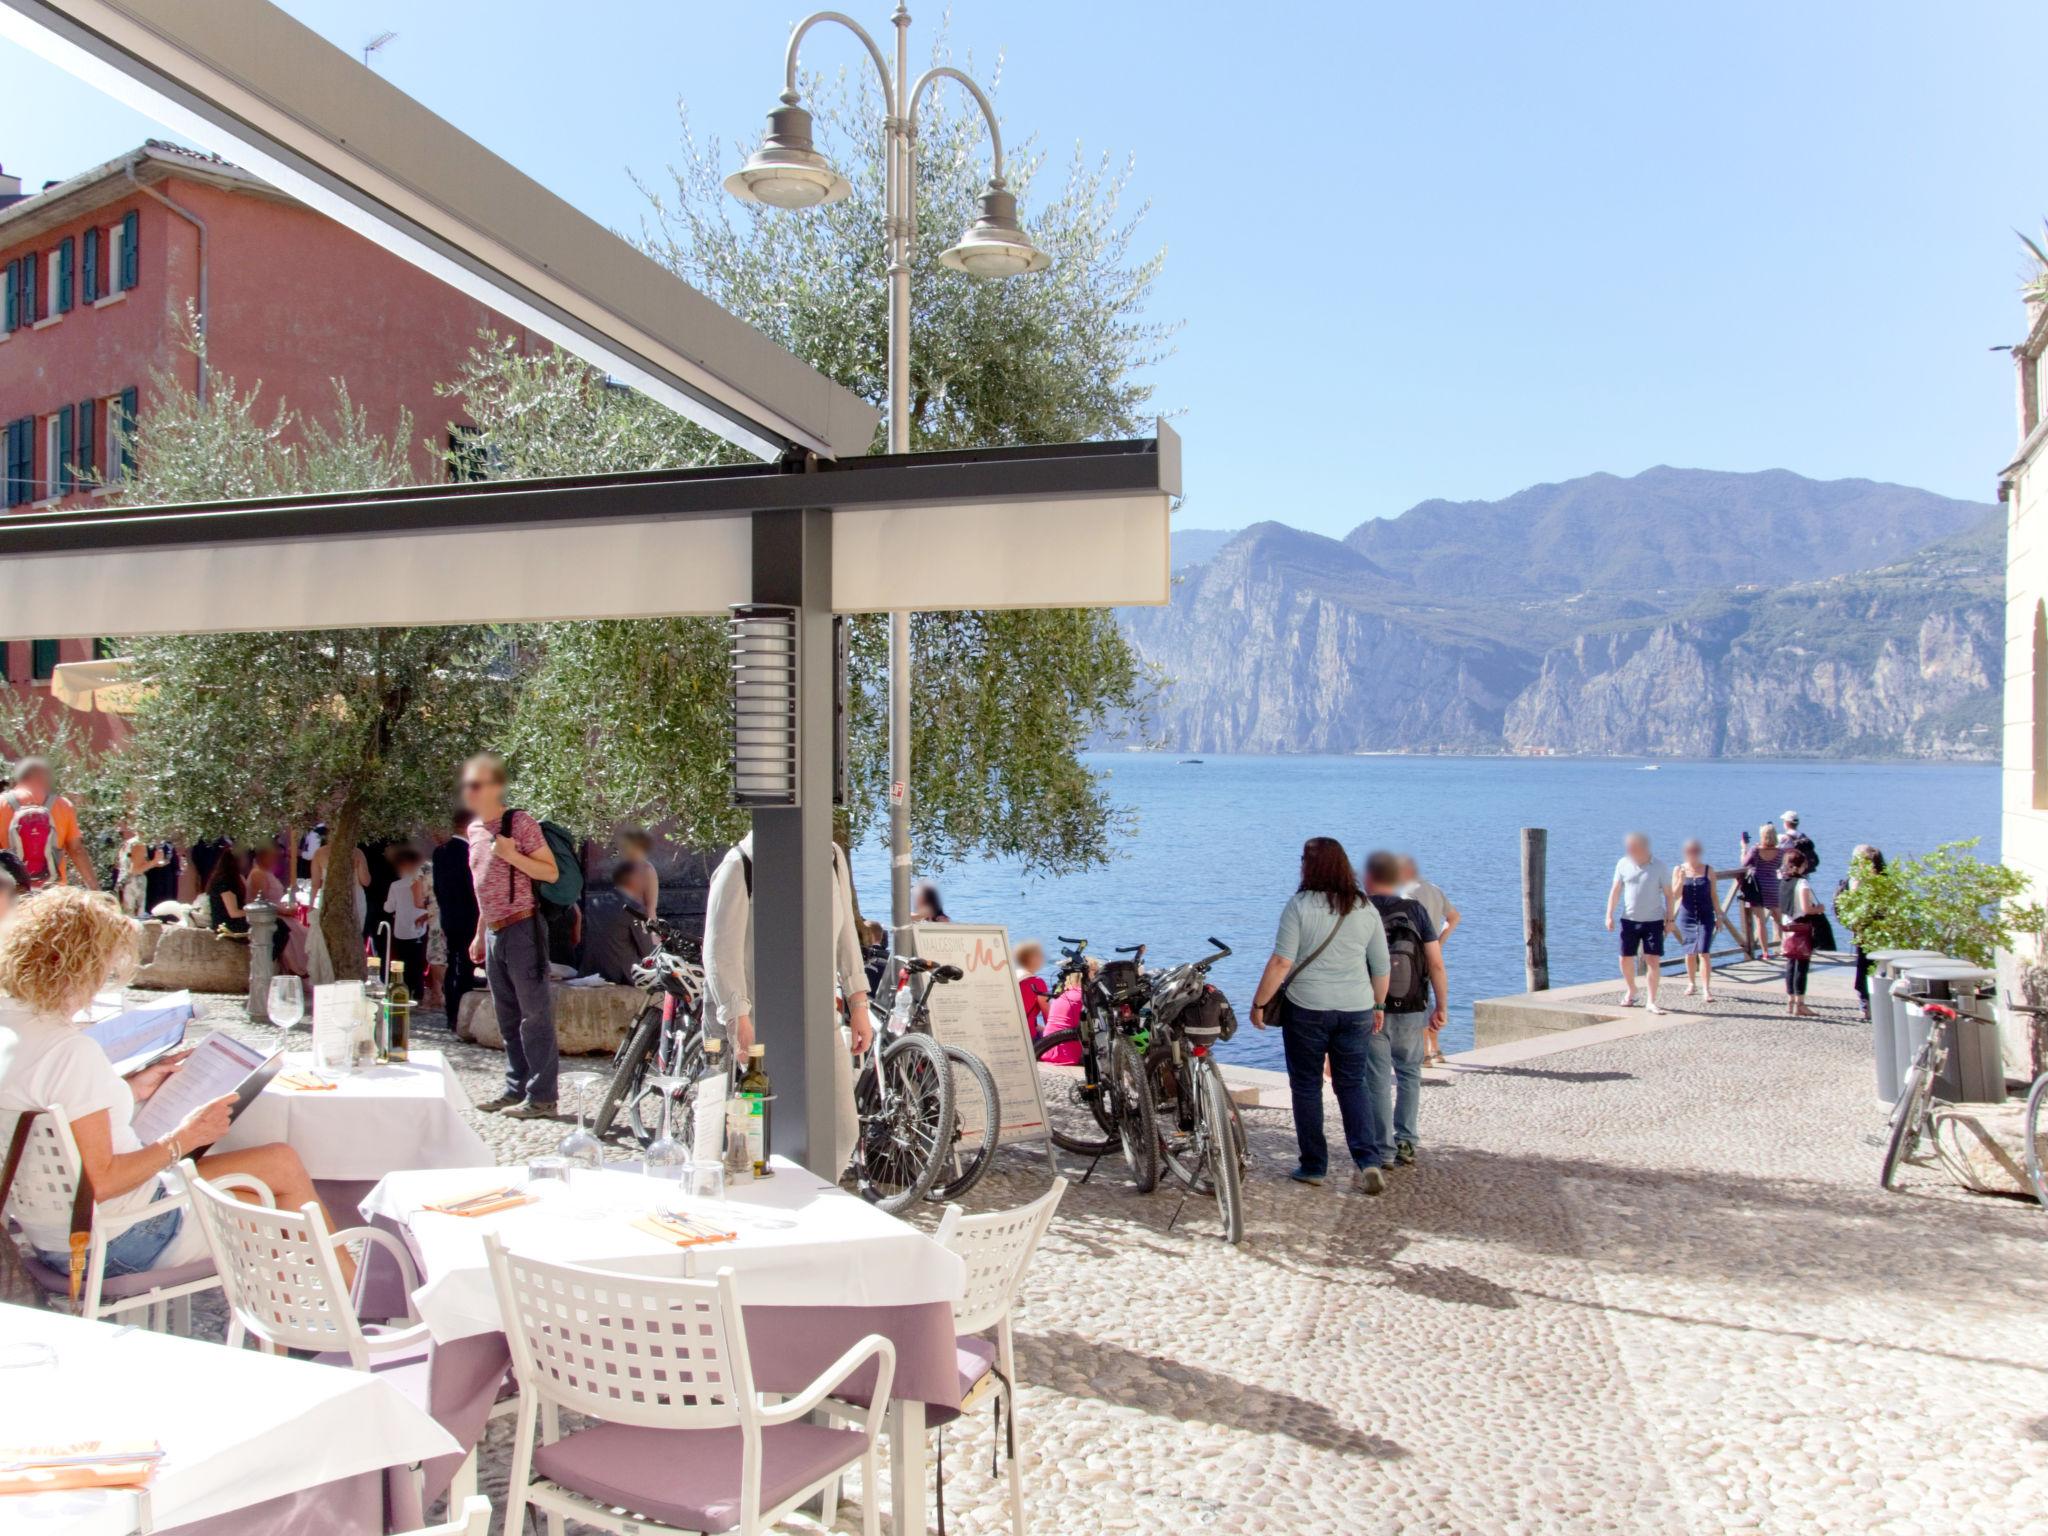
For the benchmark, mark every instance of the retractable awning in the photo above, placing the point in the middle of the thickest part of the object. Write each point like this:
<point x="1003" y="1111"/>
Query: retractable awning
<point x="249" y="82"/>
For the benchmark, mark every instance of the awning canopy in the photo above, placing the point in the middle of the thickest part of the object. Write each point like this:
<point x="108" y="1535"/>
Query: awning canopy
<point x="108" y="685"/>
<point x="1077" y="525"/>
<point x="250" y="83"/>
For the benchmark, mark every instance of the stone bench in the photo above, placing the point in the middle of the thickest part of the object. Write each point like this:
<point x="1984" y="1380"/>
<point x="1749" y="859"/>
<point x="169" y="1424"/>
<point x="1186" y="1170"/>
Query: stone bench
<point x="589" y="1021"/>
<point x="177" y="958"/>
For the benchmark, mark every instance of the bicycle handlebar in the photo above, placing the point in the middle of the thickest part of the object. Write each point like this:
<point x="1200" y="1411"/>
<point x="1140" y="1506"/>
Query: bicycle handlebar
<point x="1130" y="949"/>
<point x="1077" y="943"/>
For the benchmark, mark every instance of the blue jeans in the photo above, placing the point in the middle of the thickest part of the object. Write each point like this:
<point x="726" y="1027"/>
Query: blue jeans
<point x="1310" y="1035"/>
<point x="135" y="1251"/>
<point x="1393" y="1080"/>
<point x="516" y="966"/>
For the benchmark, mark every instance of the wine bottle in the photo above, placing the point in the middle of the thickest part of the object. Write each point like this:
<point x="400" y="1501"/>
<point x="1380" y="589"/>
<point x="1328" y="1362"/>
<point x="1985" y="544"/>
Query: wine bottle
<point x="755" y="1093"/>
<point x="398" y="1016"/>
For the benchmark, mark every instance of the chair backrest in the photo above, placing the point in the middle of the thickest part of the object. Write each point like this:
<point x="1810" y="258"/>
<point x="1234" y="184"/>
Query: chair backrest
<point x="279" y="1273"/>
<point x="628" y="1349"/>
<point x="46" y="1183"/>
<point x="997" y="1247"/>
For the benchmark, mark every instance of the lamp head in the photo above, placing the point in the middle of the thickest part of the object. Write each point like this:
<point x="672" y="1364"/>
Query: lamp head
<point x="787" y="171"/>
<point x="995" y="244"/>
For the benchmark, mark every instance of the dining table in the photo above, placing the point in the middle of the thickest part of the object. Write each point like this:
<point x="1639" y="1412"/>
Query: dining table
<point x="252" y="1444"/>
<point x="817" y="1270"/>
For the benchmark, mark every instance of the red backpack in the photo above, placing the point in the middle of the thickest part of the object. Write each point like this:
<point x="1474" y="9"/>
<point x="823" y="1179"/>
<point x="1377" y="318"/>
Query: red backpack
<point x="31" y="836"/>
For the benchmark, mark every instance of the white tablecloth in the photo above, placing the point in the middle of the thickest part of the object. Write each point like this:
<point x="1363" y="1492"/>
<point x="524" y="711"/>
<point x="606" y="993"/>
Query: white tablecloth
<point x="406" y="1115"/>
<point x="802" y="1242"/>
<point x="237" y="1427"/>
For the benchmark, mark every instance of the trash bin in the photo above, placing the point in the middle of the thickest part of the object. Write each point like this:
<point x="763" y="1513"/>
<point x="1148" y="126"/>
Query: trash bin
<point x="1974" y="1072"/>
<point x="1885" y="1031"/>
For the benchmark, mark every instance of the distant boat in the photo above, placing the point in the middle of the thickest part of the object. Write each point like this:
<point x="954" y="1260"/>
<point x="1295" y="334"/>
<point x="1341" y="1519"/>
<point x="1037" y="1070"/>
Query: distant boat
<point x="1187" y="762"/>
<point x="1650" y="767"/>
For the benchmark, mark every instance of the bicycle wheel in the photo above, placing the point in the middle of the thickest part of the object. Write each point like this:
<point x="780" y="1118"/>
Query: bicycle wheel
<point x="904" y="1098"/>
<point x="977" y="1104"/>
<point x="1176" y="1112"/>
<point x="629" y="1068"/>
<point x="1075" y="1110"/>
<point x="1130" y="1103"/>
<point x="643" y="1104"/>
<point x="1220" y="1143"/>
<point x="1909" y="1116"/>
<point x="2036" y="1126"/>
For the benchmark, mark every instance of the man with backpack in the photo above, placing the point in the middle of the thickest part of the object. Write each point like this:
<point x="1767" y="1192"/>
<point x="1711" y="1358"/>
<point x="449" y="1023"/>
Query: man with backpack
<point x="40" y="828"/>
<point x="1415" y="969"/>
<point x="514" y="868"/>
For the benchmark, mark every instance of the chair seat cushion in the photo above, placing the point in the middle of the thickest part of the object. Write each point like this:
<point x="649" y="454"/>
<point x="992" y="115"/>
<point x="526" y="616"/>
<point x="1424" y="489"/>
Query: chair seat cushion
<point x="691" y="1477"/>
<point x="121" y="1287"/>
<point x="973" y="1357"/>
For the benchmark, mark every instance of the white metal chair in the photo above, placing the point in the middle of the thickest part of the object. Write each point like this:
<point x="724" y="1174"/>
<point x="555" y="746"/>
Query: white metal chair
<point x="684" y="1442"/>
<point x="473" y="1520"/>
<point x="997" y="1248"/>
<point x="45" y="1189"/>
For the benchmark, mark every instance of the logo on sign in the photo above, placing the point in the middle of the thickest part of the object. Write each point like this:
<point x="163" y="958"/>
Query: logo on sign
<point x="982" y="957"/>
<point x="896" y="793"/>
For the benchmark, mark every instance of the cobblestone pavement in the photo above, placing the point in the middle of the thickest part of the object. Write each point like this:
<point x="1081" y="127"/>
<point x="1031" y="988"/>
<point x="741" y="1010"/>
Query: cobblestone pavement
<point x="1646" y="1286"/>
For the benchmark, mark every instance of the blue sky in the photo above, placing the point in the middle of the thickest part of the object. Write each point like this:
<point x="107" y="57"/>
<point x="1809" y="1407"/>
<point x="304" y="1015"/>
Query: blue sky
<point x="1424" y="250"/>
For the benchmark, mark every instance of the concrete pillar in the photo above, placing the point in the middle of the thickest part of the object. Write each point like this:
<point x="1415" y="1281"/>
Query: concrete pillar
<point x="794" y="1013"/>
<point x="262" y="927"/>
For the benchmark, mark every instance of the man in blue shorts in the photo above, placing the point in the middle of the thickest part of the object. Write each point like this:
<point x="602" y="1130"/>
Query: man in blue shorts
<point x="1642" y="890"/>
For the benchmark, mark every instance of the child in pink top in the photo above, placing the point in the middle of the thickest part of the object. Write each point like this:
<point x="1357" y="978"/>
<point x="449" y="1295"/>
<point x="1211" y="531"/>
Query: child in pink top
<point x="1064" y="1012"/>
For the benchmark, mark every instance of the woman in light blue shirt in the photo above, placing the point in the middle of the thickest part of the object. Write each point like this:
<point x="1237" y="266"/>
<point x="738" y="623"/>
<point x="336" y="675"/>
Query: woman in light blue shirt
<point x="1330" y="962"/>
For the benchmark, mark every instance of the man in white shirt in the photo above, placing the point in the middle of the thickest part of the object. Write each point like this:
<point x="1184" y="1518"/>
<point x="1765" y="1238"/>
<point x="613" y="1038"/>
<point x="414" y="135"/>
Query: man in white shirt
<point x="1642" y="889"/>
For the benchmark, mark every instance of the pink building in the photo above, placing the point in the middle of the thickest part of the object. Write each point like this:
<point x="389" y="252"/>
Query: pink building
<point x="96" y="274"/>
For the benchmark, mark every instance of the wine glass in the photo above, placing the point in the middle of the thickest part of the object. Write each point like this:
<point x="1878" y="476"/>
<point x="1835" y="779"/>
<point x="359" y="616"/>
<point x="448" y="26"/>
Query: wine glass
<point x="287" y="1001"/>
<point x="581" y="1148"/>
<point x="666" y="1160"/>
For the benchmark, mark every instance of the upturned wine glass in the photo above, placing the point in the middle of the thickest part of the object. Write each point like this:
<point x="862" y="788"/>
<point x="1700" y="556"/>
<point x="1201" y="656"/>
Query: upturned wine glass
<point x="580" y="1146"/>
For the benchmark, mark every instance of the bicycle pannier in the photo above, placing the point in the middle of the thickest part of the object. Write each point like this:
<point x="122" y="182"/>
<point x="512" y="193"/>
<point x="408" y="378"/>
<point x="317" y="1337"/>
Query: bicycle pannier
<point x="1121" y="981"/>
<point x="1209" y="1018"/>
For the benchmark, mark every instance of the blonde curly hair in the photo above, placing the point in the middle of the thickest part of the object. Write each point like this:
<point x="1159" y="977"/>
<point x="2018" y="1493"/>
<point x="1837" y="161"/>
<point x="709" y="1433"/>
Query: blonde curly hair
<point x="64" y="944"/>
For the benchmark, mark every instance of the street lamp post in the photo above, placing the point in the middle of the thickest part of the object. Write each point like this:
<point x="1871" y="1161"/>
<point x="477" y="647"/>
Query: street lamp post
<point x="787" y="171"/>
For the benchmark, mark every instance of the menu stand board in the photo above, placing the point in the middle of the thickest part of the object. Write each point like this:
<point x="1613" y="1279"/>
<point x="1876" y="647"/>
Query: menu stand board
<point x="983" y="1013"/>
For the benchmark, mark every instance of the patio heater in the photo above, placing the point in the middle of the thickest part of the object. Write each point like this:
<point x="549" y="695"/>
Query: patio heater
<point x="788" y="171"/>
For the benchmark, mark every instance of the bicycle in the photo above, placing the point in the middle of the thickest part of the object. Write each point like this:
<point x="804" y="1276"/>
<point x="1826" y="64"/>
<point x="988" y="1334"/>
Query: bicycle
<point x="1915" y="1104"/>
<point x="2033" y="1126"/>
<point x="665" y="1042"/>
<point x="975" y="1099"/>
<point x="1201" y="1134"/>
<point x="902" y="1096"/>
<point x="1108" y="1108"/>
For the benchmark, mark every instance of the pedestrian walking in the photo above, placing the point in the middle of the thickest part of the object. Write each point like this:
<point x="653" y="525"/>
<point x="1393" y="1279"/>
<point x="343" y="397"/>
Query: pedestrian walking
<point x="40" y="827"/>
<point x="455" y="896"/>
<point x="1415" y="970"/>
<point x="1326" y="986"/>
<point x="508" y="854"/>
<point x="1642" y="891"/>
<point x="1444" y="917"/>
<point x="1760" y="896"/>
<point x="1806" y="931"/>
<point x="1791" y="837"/>
<point x="407" y="905"/>
<point x="1692" y="890"/>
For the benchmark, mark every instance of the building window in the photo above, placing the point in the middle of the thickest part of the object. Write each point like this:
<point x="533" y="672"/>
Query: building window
<point x="131" y="249"/>
<point x="53" y="461"/>
<point x="120" y="437"/>
<point x="63" y="280"/>
<point x="21" y="461"/>
<point x="30" y="290"/>
<point x="85" y="448"/>
<point x="64" y="467"/>
<point x="104" y="649"/>
<point x="89" y="275"/>
<point x="42" y="660"/>
<point x="10" y="296"/>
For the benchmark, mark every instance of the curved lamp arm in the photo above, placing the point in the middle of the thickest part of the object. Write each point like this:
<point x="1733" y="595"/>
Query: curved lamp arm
<point x="790" y="95"/>
<point x="948" y="72"/>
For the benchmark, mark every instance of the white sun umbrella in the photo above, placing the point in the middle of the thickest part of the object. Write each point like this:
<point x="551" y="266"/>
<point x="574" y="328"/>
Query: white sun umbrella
<point x="108" y="685"/>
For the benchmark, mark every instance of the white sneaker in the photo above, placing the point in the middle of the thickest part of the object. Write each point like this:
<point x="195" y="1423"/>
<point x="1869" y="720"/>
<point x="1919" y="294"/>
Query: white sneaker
<point x="1651" y="1006"/>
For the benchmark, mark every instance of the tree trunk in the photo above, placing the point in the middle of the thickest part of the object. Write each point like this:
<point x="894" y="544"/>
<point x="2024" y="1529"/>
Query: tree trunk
<point x="339" y="925"/>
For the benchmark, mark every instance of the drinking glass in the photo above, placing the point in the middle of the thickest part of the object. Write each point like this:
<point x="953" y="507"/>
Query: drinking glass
<point x="666" y="1160"/>
<point x="707" y="1180"/>
<point x="579" y="1146"/>
<point x="287" y="1001"/>
<point x="545" y="1175"/>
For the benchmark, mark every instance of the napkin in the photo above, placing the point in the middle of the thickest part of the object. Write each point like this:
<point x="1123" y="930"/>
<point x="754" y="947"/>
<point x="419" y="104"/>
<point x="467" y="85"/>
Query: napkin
<point x="303" y="1082"/>
<point x="683" y="1231"/>
<point x="504" y="1198"/>
<point x="81" y="1464"/>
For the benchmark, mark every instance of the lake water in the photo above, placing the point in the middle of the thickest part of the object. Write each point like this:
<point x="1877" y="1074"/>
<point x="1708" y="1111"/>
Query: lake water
<point x="1218" y="845"/>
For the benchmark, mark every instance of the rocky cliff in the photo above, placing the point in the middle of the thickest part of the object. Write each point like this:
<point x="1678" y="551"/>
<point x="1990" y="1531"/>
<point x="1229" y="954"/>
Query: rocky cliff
<point x="1287" y="641"/>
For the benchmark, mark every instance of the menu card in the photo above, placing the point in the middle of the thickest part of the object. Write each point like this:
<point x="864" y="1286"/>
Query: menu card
<point x="221" y="1065"/>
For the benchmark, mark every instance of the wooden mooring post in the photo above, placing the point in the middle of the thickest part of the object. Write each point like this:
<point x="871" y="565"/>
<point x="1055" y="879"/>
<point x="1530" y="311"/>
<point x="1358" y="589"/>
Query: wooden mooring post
<point x="1536" y="960"/>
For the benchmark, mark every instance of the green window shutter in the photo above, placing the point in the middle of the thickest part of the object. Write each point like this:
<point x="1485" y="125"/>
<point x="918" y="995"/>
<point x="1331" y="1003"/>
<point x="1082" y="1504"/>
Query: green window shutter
<point x="42" y="660"/>
<point x="131" y="253"/>
<point x="86" y="456"/>
<point x="8" y="299"/>
<point x="31" y="289"/>
<point x="64" y="473"/>
<point x="90" y="276"/>
<point x="128" y="404"/>
<point x="67" y="262"/>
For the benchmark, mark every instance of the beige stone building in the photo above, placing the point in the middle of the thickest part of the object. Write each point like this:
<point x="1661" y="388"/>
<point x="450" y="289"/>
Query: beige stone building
<point x="2023" y="488"/>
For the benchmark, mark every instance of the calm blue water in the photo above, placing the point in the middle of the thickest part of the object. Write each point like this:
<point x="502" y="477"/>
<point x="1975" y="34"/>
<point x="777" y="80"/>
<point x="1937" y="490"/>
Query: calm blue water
<point x="1218" y="846"/>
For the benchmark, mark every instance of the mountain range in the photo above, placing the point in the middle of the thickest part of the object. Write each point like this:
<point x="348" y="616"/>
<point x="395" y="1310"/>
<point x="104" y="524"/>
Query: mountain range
<point x="1677" y="612"/>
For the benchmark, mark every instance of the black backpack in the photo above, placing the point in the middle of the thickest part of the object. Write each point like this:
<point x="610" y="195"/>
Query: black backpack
<point x="1407" y="964"/>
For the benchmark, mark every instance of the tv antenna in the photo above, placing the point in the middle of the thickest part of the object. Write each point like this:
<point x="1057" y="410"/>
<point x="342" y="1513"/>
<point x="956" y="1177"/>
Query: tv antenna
<point x="376" y="43"/>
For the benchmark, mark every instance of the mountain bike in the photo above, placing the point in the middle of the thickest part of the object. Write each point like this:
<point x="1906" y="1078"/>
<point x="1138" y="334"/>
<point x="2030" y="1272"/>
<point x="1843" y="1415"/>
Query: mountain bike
<point x="975" y="1101"/>
<point x="2035" y="1124"/>
<point x="1106" y="1107"/>
<point x="1201" y="1134"/>
<point x="1916" y="1096"/>
<point x="665" y="1042"/>
<point x="903" y="1097"/>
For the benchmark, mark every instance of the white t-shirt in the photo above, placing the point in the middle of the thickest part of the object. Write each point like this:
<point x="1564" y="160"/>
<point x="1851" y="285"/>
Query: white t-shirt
<point x="408" y="917"/>
<point x="55" y="1066"/>
<point x="1642" y="888"/>
<point x="1433" y="900"/>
